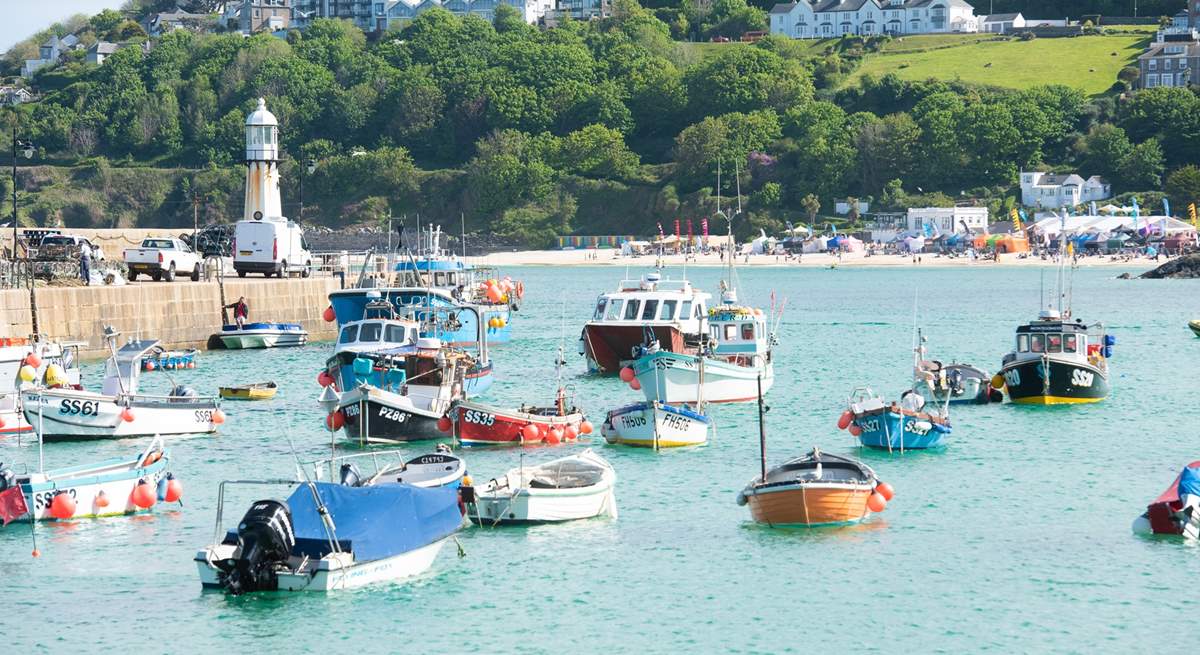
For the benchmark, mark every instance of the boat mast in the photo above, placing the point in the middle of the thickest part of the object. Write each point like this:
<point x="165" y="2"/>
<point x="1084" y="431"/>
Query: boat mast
<point x="762" y="432"/>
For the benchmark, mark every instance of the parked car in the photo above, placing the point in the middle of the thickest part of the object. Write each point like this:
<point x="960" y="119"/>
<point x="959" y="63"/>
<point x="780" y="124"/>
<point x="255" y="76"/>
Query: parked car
<point x="720" y="39"/>
<point x="271" y="247"/>
<point x="65" y="247"/>
<point x="162" y="258"/>
<point x="751" y="37"/>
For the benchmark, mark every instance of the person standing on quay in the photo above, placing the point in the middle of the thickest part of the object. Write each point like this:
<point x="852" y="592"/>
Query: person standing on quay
<point x="85" y="263"/>
<point x="241" y="311"/>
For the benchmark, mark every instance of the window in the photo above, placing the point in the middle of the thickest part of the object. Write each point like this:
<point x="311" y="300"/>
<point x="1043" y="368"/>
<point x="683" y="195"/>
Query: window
<point x="370" y="332"/>
<point x="1053" y="343"/>
<point x="599" y="309"/>
<point x="631" y="310"/>
<point x="1167" y="64"/>
<point x="1070" y="343"/>
<point x="747" y="331"/>
<point x="650" y="310"/>
<point x="1151" y="80"/>
<point x="730" y="332"/>
<point x="699" y="312"/>
<point x="1153" y="64"/>
<point x="349" y="334"/>
<point x="395" y="334"/>
<point x="685" y="310"/>
<point x="614" y="310"/>
<point x="1166" y="80"/>
<point x="668" y="310"/>
<point x="1022" y="343"/>
<point x="1038" y="343"/>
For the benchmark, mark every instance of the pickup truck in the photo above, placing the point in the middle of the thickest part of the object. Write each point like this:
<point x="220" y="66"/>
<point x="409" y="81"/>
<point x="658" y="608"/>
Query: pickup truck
<point x="162" y="258"/>
<point x="64" y="248"/>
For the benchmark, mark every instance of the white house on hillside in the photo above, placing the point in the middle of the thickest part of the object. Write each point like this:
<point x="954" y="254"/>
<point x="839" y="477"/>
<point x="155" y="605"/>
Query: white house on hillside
<point x="1002" y="23"/>
<point x="820" y="19"/>
<point x="1051" y="191"/>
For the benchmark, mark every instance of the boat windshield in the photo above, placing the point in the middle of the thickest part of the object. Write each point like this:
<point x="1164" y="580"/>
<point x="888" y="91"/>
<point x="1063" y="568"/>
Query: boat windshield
<point x="650" y="310"/>
<point x="1022" y="343"/>
<point x="349" y="333"/>
<point x="370" y="332"/>
<point x="395" y="334"/>
<point x="1038" y="343"/>
<point x="747" y="331"/>
<point x="668" y="310"/>
<point x="631" y="309"/>
<point x="1054" y="343"/>
<point x="685" y="310"/>
<point x="599" y="309"/>
<point x="1070" y="343"/>
<point x="614" y="310"/>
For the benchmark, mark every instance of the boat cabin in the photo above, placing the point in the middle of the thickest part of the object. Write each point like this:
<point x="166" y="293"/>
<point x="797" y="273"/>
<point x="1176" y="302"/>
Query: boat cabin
<point x="376" y="334"/>
<point x="738" y="333"/>
<point x="653" y="300"/>
<point x="1060" y="339"/>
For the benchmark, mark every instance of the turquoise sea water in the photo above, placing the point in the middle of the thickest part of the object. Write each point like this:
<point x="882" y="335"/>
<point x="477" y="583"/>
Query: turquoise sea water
<point x="1014" y="538"/>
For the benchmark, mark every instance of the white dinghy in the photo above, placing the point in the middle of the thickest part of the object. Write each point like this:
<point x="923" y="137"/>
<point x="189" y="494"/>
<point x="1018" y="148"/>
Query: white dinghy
<point x="119" y="411"/>
<point x="575" y="487"/>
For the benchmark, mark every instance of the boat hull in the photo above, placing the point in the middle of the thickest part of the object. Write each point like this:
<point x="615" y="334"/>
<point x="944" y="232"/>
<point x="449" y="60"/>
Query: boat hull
<point x="973" y="387"/>
<point x="477" y="424"/>
<point x="607" y="346"/>
<point x="253" y="393"/>
<point x="332" y="572"/>
<point x="653" y="425"/>
<point x="1069" y="383"/>
<point x="543" y="506"/>
<point x="373" y="416"/>
<point x="252" y="338"/>
<point x="808" y="504"/>
<point x="104" y="490"/>
<point x="894" y="431"/>
<point x="64" y="415"/>
<point x="675" y="378"/>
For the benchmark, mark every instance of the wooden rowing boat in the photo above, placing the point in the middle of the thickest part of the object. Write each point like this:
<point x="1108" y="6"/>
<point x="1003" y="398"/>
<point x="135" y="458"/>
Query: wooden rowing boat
<point x="255" y="391"/>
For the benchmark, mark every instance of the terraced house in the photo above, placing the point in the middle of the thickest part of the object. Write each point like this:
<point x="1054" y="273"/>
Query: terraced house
<point x="821" y="19"/>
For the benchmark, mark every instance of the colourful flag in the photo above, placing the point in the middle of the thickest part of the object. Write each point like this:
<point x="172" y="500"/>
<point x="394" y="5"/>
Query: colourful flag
<point x="12" y="505"/>
<point x="690" y="234"/>
<point x="1166" y="207"/>
<point x="677" y="229"/>
<point x="1016" y="219"/>
<point x="1192" y="213"/>
<point x="704" y="227"/>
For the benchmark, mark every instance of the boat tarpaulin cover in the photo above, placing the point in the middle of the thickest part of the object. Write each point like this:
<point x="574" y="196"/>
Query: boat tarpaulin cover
<point x="377" y="521"/>
<point x="1189" y="481"/>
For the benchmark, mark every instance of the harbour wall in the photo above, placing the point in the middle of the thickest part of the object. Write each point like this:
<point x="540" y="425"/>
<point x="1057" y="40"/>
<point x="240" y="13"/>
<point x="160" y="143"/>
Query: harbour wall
<point x="180" y="314"/>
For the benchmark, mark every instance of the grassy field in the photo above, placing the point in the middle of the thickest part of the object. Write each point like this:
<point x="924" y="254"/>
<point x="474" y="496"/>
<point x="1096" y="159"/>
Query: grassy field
<point x="1087" y="63"/>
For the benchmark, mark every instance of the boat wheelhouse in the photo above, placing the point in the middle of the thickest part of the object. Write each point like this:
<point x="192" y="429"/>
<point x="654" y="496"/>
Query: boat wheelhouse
<point x="57" y="365"/>
<point x="672" y="311"/>
<point x="1058" y="361"/>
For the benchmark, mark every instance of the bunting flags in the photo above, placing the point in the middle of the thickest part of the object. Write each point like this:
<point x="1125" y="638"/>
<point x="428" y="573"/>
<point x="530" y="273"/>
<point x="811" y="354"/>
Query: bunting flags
<point x="677" y="234"/>
<point x="1192" y="213"/>
<point x="689" y="223"/>
<point x="704" y="227"/>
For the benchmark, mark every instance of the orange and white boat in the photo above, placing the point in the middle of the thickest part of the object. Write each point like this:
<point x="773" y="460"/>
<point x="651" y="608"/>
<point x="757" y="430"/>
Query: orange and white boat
<point x="817" y="489"/>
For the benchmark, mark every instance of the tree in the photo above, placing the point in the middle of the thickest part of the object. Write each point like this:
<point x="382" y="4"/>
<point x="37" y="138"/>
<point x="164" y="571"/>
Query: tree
<point x="507" y="19"/>
<point x="1105" y="150"/>
<point x="595" y="151"/>
<point x="1183" y="185"/>
<point x="852" y="214"/>
<point x="105" y="22"/>
<point x="887" y="149"/>
<point x="1144" y="167"/>
<point x="811" y="205"/>
<point x="746" y="79"/>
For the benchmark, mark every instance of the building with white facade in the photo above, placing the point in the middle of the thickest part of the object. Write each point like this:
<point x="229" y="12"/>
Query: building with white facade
<point x="49" y="53"/>
<point x="941" y="220"/>
<point x="1001" y="23"/>
<point x="1052" y="191"/>
<point x="399" y="12"/>
<point x="820" y="19"/>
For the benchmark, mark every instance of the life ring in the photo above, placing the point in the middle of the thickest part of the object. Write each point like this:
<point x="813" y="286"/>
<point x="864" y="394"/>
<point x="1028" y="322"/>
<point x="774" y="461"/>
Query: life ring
<point x="520" y="290"/>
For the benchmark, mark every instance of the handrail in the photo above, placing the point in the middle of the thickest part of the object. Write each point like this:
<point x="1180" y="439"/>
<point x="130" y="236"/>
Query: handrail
<point x="221" y="499"/>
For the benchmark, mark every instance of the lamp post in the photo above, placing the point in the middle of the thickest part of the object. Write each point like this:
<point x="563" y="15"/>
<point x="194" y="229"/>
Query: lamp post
<point x="309" y="165"/>
<point x="26" y="149"/>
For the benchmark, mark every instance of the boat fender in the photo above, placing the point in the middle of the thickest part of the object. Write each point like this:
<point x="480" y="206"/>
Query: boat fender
<point x="466" y="494"/>
<point x="741" y="498"/>
<point x="520" y="290"/>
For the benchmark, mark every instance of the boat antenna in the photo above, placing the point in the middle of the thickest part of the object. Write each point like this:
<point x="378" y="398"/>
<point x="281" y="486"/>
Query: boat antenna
<point x="462" y="216"/>
<point x="762" y="432"/>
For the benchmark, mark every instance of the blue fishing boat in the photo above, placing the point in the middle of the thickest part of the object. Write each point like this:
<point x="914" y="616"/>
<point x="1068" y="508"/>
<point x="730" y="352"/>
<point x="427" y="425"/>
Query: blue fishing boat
<point x="903" y="425"/>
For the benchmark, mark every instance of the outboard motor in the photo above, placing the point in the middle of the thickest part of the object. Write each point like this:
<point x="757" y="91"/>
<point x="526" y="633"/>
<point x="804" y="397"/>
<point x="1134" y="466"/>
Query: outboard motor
<point x="350" y="475"/>
<point x="265" y="540"/>
<point x="955" y="377"/>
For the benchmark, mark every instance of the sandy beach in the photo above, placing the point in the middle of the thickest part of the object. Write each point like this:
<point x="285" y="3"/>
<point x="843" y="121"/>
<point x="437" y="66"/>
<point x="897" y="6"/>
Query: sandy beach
<point x="820" y="260"/>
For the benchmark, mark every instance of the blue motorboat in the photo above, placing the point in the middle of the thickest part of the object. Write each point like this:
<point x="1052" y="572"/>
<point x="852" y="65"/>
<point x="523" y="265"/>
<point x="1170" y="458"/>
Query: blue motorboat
<point x="903" y="425"/>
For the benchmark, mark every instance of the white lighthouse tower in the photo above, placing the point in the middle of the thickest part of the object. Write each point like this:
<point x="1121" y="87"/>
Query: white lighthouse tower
<point x="262" y="165"/>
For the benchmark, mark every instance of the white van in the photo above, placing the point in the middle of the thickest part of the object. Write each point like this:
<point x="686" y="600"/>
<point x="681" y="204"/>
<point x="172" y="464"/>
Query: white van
<point x="271" y="246"/>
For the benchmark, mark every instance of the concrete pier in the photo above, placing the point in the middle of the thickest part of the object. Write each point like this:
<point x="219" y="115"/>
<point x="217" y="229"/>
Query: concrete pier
<point x="181" y="314"/>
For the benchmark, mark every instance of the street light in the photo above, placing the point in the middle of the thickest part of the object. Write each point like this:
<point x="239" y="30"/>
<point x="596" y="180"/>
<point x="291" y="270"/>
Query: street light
<point x="26" y="148"/>
<point x="310" y="165"/>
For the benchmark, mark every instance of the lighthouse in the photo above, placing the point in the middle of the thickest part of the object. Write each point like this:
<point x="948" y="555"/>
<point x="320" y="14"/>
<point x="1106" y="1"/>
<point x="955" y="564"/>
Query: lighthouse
<point x="262" y="165"/>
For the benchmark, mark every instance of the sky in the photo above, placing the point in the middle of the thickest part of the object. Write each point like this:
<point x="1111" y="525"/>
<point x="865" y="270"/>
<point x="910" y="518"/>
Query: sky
<point x="21" y="18"/>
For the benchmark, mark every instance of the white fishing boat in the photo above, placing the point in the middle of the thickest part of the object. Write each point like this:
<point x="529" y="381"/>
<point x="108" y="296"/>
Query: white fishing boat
<point x="327" y="536"/>
<point x="576" y="487"/>
<point x="940" y="383"/>
<point x="108" y="488"/>
<point x="50" y="363"/>
<point x="656" y="425"/>
<point x="119" y="410"/>
<point x="263" y="335"/>
<point x="437" y="469"/>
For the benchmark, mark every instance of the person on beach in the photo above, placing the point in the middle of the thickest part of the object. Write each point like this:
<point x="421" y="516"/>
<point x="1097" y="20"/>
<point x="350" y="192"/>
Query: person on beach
<point x="241" y="311"/>
<point x="85" y="263"/>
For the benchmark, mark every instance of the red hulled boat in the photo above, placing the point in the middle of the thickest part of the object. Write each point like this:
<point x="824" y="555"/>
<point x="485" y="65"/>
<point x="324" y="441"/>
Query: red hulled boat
<point x="1176" y="510"/>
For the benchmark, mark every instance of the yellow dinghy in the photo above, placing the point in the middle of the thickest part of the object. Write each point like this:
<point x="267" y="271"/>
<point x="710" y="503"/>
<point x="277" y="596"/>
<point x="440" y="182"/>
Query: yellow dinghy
<point x="256" y="391"/>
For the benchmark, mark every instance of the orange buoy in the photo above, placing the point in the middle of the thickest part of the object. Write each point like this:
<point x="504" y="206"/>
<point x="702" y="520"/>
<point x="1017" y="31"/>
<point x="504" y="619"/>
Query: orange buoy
<point x="876" y="503"/>
<point x="218" y="416"/>
<point x="585" y="427"/>
<point x="329" y="315"/>
<point x="626" y="374"/>
<point x="844" y="419"/>
<point x="335" y="420"/>
<point x="635" y="385"/>
<point x="63" y="506"/>
<point x="570" y="432"/>
<point x="174" y="489"/>
<point x="552" y="437"/>
<point x="530" y="432"/>
<point x="127" y="415"/>
<point x="143" y="495"/>
<point x="149" y="366"/>
<point x="444" y="424"/>
<point x="33" y="360"/>
<point x="855" y="430"/>
<point x="324" y="378"/>
<point x="101" y="500"/>
<point x="884" y="489"/>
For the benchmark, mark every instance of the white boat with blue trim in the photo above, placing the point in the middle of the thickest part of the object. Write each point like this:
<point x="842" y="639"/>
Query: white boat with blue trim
<point x="656" y="425"/>
<point x="262" y="335"/>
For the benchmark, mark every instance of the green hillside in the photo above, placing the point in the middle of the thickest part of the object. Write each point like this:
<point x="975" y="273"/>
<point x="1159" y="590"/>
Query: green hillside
<point x="1087" y="63"/>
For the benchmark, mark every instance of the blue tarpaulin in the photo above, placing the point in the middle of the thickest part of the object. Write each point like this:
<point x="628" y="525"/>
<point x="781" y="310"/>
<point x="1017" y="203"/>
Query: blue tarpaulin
<point x="374" y="522"/>
<point x="1189" y="482"/>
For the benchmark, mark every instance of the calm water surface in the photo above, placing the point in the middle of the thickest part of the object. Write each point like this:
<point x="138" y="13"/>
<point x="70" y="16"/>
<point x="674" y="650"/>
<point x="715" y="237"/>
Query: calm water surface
<point x="1014" y="538"/>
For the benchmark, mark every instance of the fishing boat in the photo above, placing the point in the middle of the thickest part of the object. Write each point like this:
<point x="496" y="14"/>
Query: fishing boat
<point x="575" y="487"/>
<point x="168" y="360"/>
<point x="475" y="423"/>
<point x="440" y="468"/>
<point x="28" y="361"/>
<point x="656" y="425"/>
<point x="1176" y="511"/>
<point x="380" y="328"/>
<point x="955" y="383"/>
<point x="328" y="536"/>
<point x="1194" y="326"/>
<point x="672" y="311"/>
<point x="262" y="335"/>
<point x="253" y="391"/>
<point x="909" y="424"/>
<point x="120" y="409"/>
<point x="402" y="394"/>
<point x="818" y="489"/>
<point x="1057" y="361"/>
<point x="108" y="488"/>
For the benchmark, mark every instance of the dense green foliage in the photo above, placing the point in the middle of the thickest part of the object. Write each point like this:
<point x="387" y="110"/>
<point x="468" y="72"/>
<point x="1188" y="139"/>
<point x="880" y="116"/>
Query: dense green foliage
<point x="606" y="126"/>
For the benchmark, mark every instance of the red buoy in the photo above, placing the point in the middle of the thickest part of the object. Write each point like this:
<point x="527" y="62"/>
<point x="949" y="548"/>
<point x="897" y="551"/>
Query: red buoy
<point x="876" y="503"/>
<point x="552" y="437"/>
<point x="127" y="415"/>
<point x="143" y="495"/>
<point x="218" y="416"/>
<point x="626" y="374"/>
<point x="329" y="315"/>
<point x="324" y="378"/>
<point x="101" y="500"/>
<point x="844" y="419"/>
<point x="855" y="430"/>
<point x="63" y="506"/>
<point x="530" y="432"/>
<point x="335" y="420"/>
<point x="585" y="427"/>
<point x="174" y="489"/>
<point x="444" y="424"/>
<point x="33" y="360"/>
<point x="149" y="366"/>
<point x="884" y="489"/>
<point x="635" y="385"/>
<point x="570" y="432"/>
